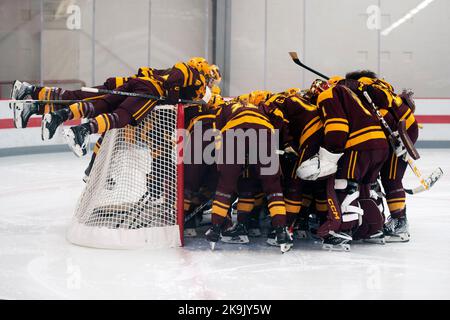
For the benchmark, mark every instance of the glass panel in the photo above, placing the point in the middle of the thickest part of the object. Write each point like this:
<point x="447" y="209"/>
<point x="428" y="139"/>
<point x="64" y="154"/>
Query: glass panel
<point x="20" y="44"/>
<point x="67" y="43"/>
<point x="415" y="52"/>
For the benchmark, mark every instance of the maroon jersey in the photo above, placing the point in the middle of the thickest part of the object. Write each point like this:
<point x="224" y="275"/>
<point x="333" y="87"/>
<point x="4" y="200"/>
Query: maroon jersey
<point x="302" y="125"/>
<point x="391" y="106"/>
<point x="244" y="116"/>
<point x="348" y="123"/>
<point x="183" y="82"/>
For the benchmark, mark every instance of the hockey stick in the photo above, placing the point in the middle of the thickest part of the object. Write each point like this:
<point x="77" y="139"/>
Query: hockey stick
<point x="197" y="210"/>
<point x="395" y="141"/>
<point x="297" y="61"/>
<point x="427" y="183"/>
<point x="430" y="181"/>
<point x="12" y="102"/>
<point x="138" y="95"/>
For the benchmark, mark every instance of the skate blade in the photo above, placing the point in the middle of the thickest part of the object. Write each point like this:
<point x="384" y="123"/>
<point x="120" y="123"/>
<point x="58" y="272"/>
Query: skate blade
<point x="45" y="133"/>
<point x="285" y="247"/>
<point x="17" y="110"/>
<point x="381" y="241"/>
<point x="345" y="247"/>
<point x="272" y="242"/>
<point x="190" y="233"/>
<point x="254" y="233"/>
<point x="403" y="237"/>
<point x="70" y="138"/>
<point x="235" y="240"/>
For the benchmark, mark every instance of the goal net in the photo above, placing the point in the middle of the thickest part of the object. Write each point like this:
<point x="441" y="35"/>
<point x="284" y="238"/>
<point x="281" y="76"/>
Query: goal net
<point x="134" y="194"/>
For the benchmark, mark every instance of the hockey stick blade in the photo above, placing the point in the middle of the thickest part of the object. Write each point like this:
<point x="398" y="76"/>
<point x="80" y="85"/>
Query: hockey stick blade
<point x="430" y="181"/>
<point x="294" y="57"/>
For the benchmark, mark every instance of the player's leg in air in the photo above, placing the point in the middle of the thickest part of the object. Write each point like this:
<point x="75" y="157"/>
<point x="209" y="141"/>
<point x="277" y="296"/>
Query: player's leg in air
<point x="24" y="90"/>
<point x="109" y="112"/>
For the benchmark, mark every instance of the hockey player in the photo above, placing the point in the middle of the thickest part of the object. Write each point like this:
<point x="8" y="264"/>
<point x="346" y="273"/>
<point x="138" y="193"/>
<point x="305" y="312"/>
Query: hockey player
<point x="354" y="150"/>
<point x="246" y="117"/>
<point x="394" y="108"/>
<point x="302" y="133"/>
<point x="198" y="119"/>
<point x="116" y="111"/>
<point x="24" y="90"/>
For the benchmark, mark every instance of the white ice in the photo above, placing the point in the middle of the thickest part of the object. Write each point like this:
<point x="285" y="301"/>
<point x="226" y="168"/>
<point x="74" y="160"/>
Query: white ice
<point x="38" y="194"/>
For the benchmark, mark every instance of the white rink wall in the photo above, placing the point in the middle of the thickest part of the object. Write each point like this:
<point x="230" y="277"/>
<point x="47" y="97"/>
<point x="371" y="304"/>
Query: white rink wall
<point x="433" y="114"/>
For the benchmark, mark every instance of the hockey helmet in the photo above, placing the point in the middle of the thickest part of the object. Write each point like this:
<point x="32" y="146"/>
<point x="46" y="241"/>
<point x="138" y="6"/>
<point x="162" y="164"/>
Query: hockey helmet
<point x="201" y="65"/>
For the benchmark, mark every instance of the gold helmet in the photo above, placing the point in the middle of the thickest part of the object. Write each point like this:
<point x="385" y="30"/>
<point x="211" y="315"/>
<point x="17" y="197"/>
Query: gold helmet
<point x="291" y="91"/>
<point x="243" y="97"/>
<point x="258" y="96"/>
<point x="201" y="65"/>
<point x="216" y="77"/>
<point x="334" y="80"/>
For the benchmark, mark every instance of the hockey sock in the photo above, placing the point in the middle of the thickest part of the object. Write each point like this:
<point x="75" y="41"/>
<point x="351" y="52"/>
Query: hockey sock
<point x="245" y="204"/>
<point x="277" y="211"/>
<point x="81" y="110"/>
<point x="104" y="122"/>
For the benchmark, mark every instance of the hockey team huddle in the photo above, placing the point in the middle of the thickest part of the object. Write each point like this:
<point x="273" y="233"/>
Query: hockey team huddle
<point x="337" y="164"/>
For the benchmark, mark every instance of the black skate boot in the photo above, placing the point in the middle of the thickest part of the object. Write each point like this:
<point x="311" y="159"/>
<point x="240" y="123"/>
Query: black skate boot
<point x="21" y="90"/>
<point x="213" y="235"/>
<point x="51" y="122"/>
<point x="190" y="226"/>
<point x="77" y="138"/>
<point x="397" y="230"/>
<point x="301" y="228"/>
<point x="280" y="237"/>
<point x="237" y="234"/>
<point x="284" y="239"/>
<point x="23" y="111"/>
<point x="337" y="241"/>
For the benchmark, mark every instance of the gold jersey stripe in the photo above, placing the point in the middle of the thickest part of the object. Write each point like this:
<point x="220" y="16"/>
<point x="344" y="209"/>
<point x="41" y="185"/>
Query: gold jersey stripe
<point x="373" y="135"/>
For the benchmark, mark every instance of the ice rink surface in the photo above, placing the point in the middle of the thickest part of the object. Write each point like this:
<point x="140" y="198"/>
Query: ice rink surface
<point x="38" y="194"/>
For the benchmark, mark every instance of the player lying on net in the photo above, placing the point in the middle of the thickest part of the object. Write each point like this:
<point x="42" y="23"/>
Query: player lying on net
<point x="116" y="111"/>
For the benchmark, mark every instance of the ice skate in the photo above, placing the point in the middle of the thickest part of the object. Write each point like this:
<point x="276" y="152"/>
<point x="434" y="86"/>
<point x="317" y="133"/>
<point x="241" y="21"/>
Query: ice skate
<point x="284" y="239"/>
<point x="337" y="241"/>
<point x="301" y="228"/>
<point x="280" y="237"/>
<point x="22" y="111"/>
<point x="51" y="122"/>
<point x="77" y="139"/>
<point x="377" y="238"/>
<point x="397" y="230"/>
<point x="190" y="228"/>
<point x="237" y="234"/>
<point x="21" y="90"/>
<point x="213" y="235"/>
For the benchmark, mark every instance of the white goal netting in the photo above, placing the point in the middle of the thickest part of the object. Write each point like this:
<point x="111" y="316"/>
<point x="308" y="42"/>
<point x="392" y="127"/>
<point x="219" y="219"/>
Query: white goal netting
<point x="132" y="193"/>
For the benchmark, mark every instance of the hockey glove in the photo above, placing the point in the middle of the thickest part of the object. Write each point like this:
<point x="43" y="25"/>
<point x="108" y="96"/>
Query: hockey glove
<point x="321" y="165"/>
